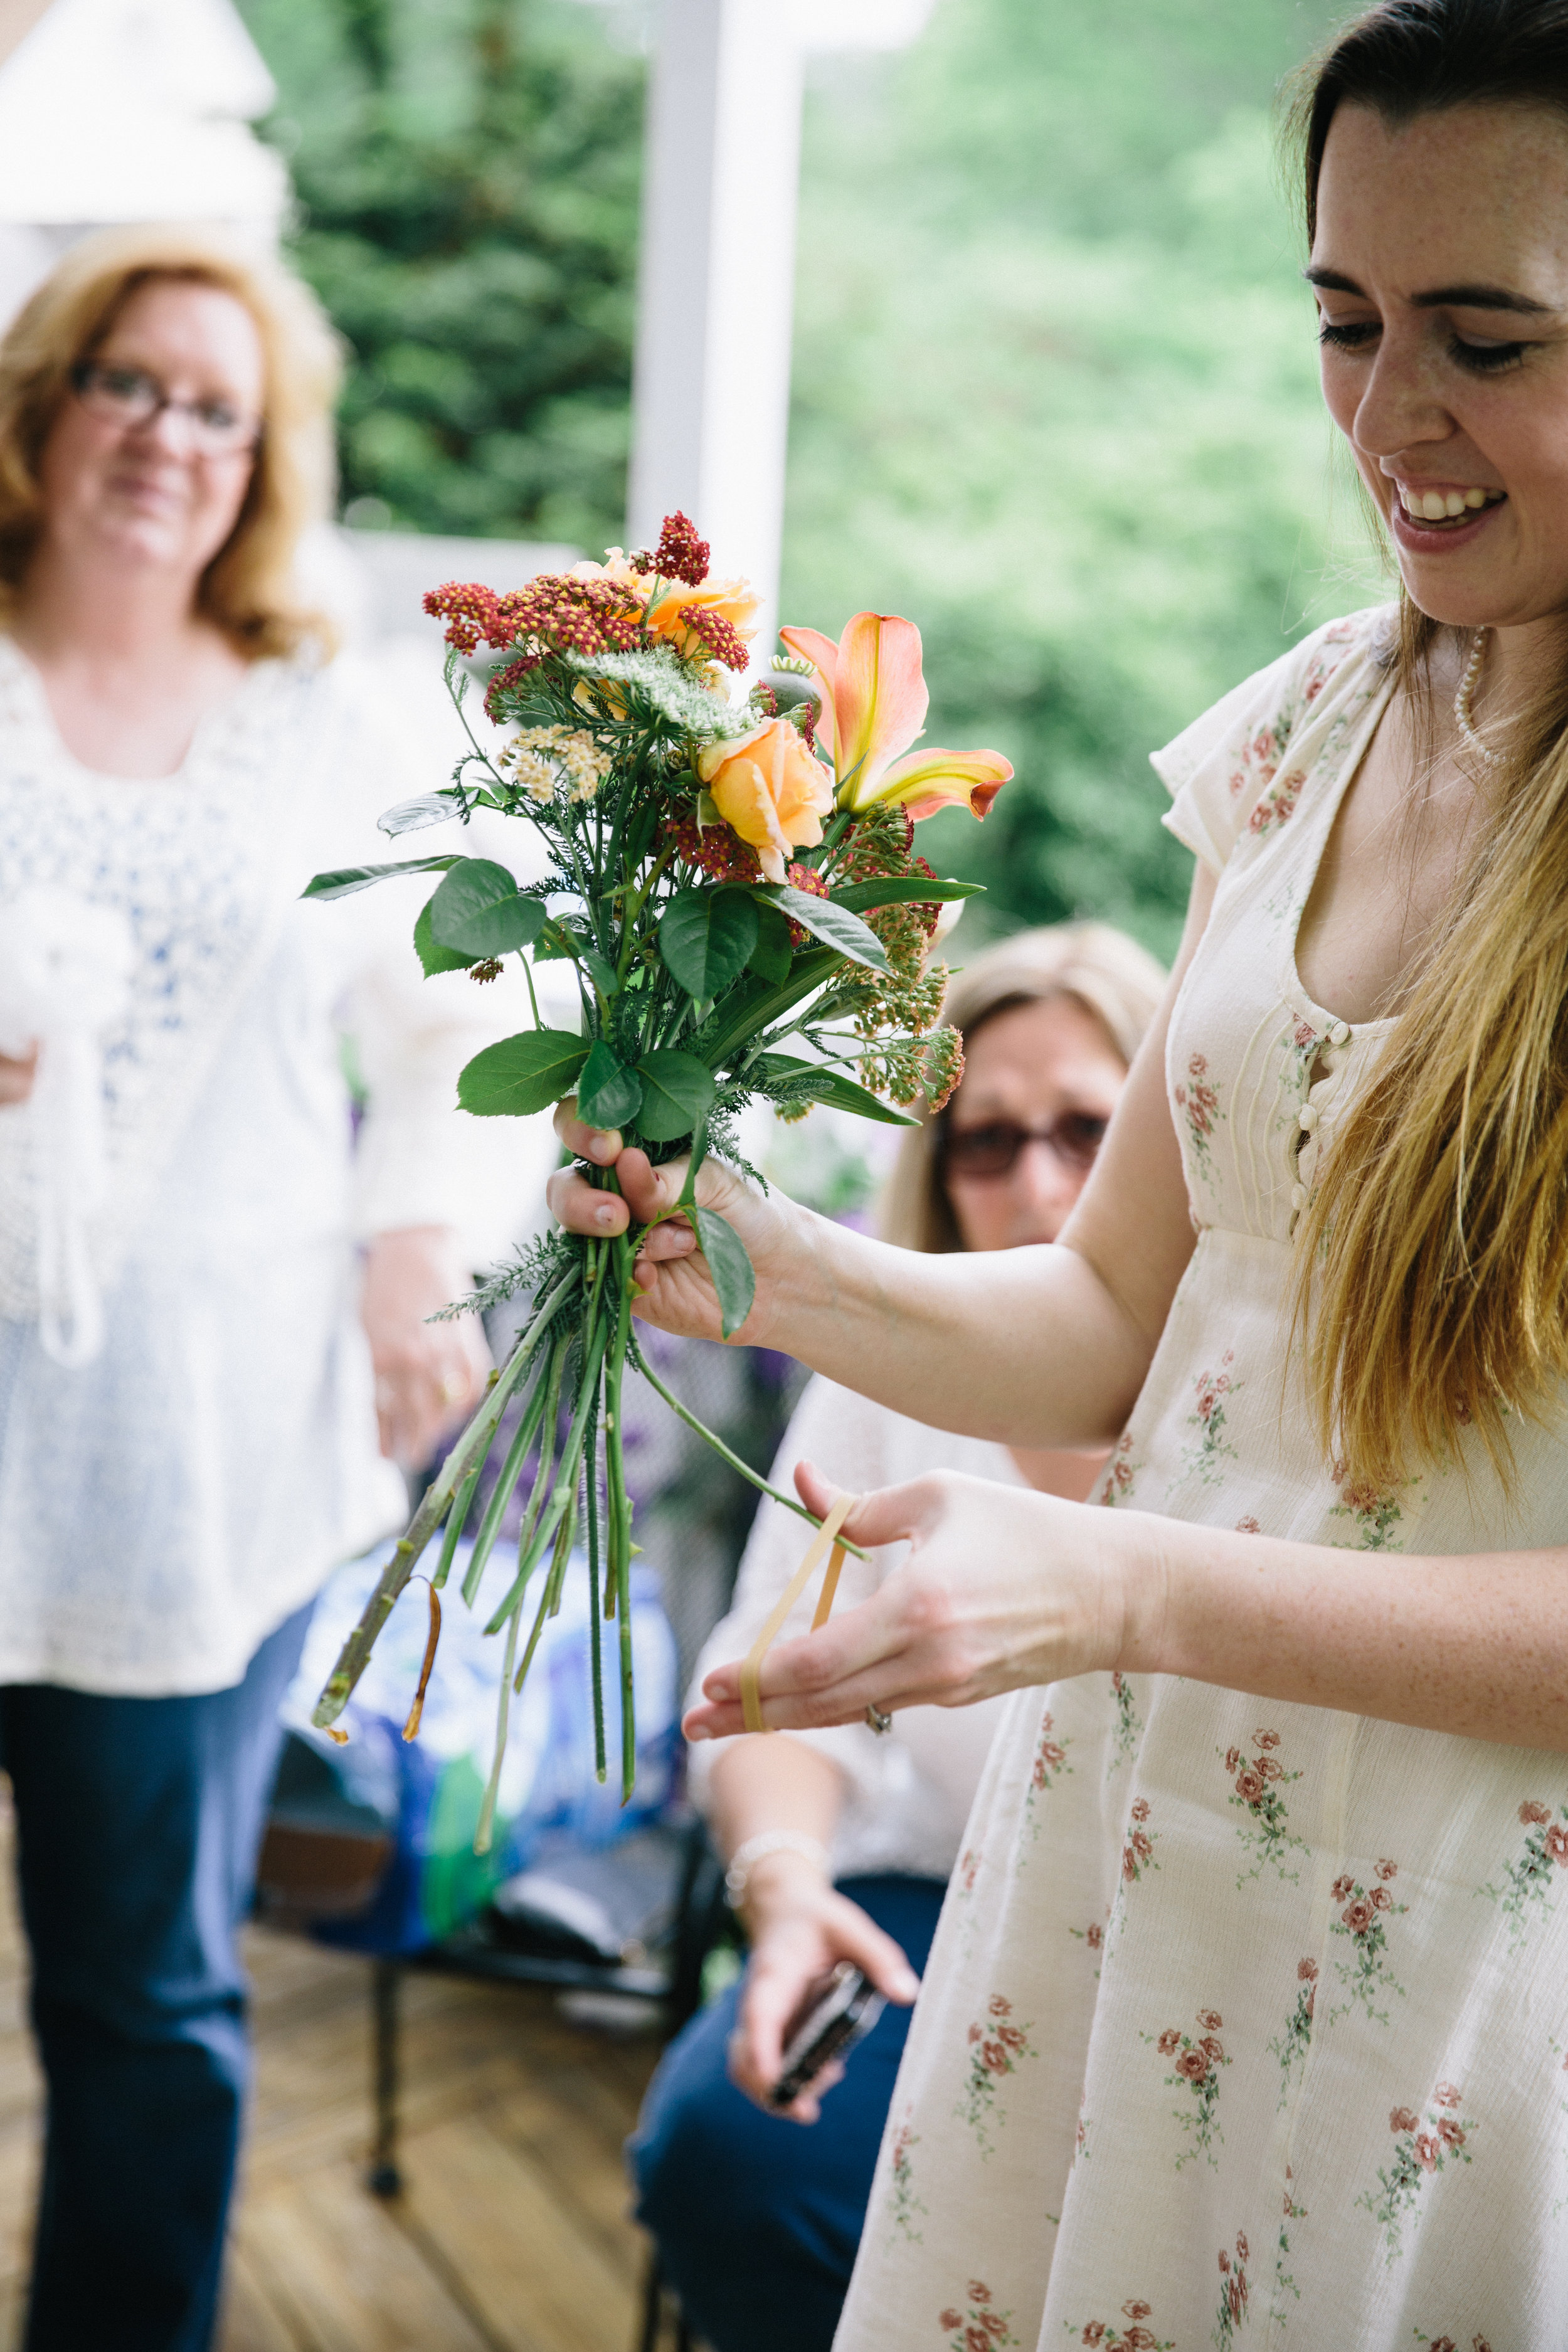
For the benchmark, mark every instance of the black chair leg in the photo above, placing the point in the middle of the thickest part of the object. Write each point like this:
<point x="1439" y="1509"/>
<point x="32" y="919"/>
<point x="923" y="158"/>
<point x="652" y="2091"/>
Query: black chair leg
<point x="652" y="2303"/>
<point x="385" y="2178"/>
<point x="653" y="2311"/>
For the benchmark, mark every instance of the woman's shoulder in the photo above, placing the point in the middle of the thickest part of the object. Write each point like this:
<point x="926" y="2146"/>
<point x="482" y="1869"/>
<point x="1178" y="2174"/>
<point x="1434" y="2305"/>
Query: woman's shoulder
<point x="1217" y="769"/>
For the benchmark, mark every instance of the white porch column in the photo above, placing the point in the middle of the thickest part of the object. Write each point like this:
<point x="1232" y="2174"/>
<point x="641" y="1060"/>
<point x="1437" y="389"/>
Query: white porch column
<point x="716" y="286"/>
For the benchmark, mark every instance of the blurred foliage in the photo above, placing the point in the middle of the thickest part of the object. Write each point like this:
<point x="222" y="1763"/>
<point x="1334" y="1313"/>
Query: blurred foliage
<point x="467" y="177"/>
<point x="1055" y="391"/>
<point x="1056" y="398"/>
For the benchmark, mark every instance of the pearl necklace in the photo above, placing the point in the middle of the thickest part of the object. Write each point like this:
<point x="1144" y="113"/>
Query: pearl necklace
<point x="1462" y="717"/>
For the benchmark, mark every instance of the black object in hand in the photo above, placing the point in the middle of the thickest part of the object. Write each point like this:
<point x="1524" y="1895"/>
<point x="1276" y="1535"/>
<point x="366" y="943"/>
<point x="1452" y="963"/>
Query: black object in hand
<point x="839" y="2009"/>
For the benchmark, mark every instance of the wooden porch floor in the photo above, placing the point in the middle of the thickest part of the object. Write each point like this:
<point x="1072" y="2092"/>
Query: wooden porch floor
<point x="511" y="2232"/>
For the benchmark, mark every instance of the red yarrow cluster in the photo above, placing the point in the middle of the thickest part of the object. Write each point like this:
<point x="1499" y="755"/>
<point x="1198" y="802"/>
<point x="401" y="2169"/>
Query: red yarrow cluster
<point x="880" y="859"/>
<point x="806" y="878"/>
<point x="555" y="613"/>
<point x="681" y="554"/>
<point x="714" y="850"/>
<point x="720" y="637"/>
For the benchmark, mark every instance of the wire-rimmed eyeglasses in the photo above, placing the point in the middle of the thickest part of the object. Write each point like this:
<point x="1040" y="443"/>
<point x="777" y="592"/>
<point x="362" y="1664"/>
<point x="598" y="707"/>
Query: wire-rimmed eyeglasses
<point x="131" y="396"/>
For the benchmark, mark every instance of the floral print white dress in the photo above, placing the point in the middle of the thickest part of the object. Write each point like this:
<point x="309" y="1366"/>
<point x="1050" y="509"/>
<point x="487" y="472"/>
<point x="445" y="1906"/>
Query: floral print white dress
<point x="1246" y="2025"/>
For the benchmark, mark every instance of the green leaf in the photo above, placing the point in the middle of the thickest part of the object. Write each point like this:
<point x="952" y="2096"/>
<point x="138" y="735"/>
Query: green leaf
<point x="522" y="1075"/>
<point x="729" y="1267"/>
<point x="678" y="1093"/>
<point x="432" y="955"/>
<point x="425" y="808"/>
<point x="602" y="973"/>
<point x="608" y="1094"/>
<point x="901" y="890"/>
<point x="569" y="942"/>
<point x="827" y="1086"/>
<point x="770" y="958"/>
<point x="343" y="880"/>
<point x="835" y="926"/>
<point x="477" y="911"/>
<point x="706" y="938"/>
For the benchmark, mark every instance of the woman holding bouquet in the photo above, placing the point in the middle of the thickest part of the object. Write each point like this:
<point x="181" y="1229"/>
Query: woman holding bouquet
<point x="186" y="1452"/>
<point x="1261" y="2010"/>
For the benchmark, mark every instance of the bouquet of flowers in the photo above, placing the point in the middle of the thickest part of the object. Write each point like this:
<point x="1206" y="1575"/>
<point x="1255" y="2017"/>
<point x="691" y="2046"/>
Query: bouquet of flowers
<point x="732" y="883"/>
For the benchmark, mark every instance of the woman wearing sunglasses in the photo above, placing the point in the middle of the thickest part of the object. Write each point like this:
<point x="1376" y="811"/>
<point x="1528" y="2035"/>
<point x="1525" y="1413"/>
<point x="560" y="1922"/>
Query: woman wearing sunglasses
<point x="840" y="1842"/>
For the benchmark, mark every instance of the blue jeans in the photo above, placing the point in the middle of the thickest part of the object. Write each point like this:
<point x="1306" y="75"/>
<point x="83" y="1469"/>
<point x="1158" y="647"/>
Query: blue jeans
<point x="757" y="2221"/>
<point x="138" y="1824"/>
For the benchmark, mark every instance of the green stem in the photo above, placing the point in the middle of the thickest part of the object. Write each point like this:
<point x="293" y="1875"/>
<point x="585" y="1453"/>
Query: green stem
<point x="550" y="1390"/>
<point x="633" y="903"/>
<point x="550" y="1599"/>
<point x="565" y="1481"/>
<point x="621" y="1536"/>
<point x="456" y="1523"/>
<point x="595" y="1662"/>
<point x="492" y="1786"/>
<point x="466" y="1454"/>
<point x="511" y="1470"/>
<point x="734" y="1461"/>
<point x="527" y="975"/>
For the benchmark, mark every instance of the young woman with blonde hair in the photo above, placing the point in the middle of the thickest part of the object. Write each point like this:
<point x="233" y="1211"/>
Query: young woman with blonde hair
<point x="195" y="1350"/>
<point x="1257" y="2015"/>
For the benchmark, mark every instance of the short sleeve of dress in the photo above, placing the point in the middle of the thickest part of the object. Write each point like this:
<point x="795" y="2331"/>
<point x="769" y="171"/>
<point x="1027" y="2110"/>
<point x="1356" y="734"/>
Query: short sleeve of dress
<point x="1218" y="769"/>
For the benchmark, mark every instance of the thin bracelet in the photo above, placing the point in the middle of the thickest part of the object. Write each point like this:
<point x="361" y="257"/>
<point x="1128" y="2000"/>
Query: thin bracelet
<point x="756" y="1849"/>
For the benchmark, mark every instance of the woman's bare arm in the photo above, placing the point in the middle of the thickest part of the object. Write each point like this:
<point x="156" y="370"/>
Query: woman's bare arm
<point x="1043" y="1345"/>
<point x="1005" y="1588"/>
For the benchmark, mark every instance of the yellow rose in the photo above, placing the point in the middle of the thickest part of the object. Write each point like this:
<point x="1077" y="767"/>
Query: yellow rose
<point x="767" y="788"/>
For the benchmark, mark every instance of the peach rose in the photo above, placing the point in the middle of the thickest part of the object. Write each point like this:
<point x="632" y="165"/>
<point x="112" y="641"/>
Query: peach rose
<point x="767" y="788"/>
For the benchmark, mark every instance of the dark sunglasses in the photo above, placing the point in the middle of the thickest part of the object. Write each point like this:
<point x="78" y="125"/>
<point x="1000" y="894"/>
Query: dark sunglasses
<point x="994" y="1149"/>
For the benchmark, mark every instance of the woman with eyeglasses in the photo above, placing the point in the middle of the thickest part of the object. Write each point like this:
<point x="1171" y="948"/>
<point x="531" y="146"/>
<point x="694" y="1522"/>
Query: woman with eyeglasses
<point x="209" y="1349"/>
<point x="840" y="1842"/>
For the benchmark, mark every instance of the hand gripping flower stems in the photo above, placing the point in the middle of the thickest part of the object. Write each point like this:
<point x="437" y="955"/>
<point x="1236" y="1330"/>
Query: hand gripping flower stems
<point x="726" y="878"/>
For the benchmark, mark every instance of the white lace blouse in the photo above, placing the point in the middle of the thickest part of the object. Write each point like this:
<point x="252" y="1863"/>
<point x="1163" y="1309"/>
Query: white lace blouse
<point x="166" y="1507"/>
<point x="907" y="1792"/>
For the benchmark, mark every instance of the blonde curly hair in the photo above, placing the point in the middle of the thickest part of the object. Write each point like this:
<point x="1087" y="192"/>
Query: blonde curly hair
<point x="248" y="589"/>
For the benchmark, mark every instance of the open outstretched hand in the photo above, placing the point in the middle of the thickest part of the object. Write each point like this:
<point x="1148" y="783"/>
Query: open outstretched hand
<point x="1003" y="1587"/>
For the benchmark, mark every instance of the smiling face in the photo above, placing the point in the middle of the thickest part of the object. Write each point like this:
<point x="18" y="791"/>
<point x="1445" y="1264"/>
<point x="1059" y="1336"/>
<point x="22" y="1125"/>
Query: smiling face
<point x="141" y="498"/>
<point x="1441" y="263"/>
<point x="1033" y="1068"/>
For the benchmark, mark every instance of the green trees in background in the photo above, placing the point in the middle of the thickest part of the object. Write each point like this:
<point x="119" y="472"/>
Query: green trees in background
<point x="1055" y="397"/>
<point x="1054" y="389"/>
<point x="467" y="178"/>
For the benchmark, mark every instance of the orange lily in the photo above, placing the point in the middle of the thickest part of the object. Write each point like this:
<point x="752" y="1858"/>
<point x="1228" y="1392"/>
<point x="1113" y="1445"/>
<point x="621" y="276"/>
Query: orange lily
<point x="874" y="702"/>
